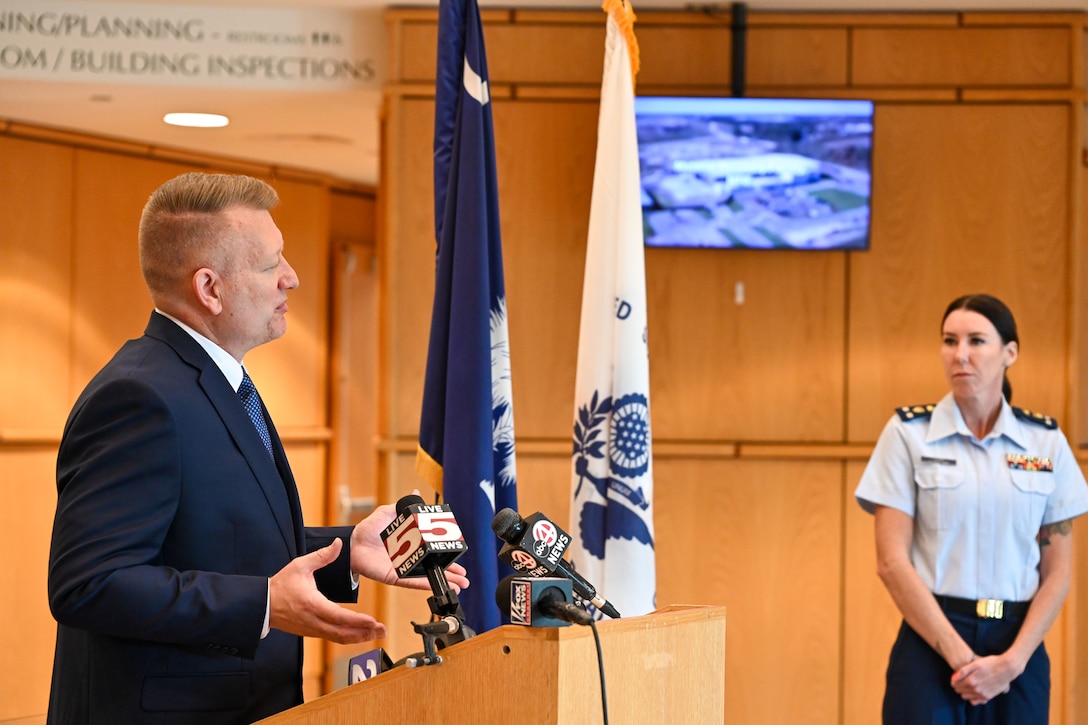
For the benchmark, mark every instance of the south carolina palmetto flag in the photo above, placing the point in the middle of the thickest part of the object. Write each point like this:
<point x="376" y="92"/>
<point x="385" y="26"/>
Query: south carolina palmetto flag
<point x="612" y="483"/>
<point x="466" y="429"/>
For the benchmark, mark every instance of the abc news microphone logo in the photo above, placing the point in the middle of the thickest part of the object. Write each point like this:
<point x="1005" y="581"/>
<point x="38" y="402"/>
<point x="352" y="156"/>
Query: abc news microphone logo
<point x="423" y="533"/>
<point x="541" y="548"/>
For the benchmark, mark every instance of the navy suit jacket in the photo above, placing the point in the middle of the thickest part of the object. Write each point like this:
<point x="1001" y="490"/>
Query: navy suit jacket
<point x="170" y="519"/>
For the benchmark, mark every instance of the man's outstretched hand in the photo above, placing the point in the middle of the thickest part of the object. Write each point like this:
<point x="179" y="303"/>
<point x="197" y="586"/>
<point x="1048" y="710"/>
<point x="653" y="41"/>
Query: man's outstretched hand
<point x="296" y="606"/>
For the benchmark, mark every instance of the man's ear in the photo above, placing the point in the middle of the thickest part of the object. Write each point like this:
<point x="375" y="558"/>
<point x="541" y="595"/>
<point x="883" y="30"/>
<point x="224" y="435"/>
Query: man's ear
<point x="208" y="288"/>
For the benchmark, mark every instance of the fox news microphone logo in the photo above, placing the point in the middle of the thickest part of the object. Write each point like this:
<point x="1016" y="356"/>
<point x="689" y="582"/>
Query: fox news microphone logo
<point x="423" y="533"/>
<point x="520" y="612"/>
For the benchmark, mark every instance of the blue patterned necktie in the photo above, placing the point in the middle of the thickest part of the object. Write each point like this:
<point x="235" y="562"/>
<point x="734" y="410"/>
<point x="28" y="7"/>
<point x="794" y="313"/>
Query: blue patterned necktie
<point x="247" y="393"/>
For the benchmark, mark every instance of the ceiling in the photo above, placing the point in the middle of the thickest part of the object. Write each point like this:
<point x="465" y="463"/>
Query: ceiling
<point x="333" y="132"/>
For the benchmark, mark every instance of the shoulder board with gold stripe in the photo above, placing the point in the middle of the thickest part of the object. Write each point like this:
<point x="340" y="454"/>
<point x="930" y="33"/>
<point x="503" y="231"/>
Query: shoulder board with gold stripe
<point x="915" y="412"/>
<point x="1037" y="418"/>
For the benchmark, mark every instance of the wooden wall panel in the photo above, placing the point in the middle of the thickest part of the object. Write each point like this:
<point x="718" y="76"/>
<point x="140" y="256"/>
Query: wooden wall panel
<point x="762" y="539"/>
<point x="408" y="263"/>
<point x="1058" y="644"/>
<point x="354" y="375"/>
<point x="680" y="56"/>
<point x="678" y="52"/>
<point x="544" y="252"/>
<point x="1032" y="56"/>
<point x="35" y="282"/>
<point x="27" y="630"/>
<point x="292" y="372"/>
<point x="966" y="198"/>
<point x="544" y="484"/>
<point x="797" y="56"/>
<point x="671" y="55"/>
<point x="1077" y="425"/>
<point x="109" y="298"/>
<point x="417" y="65"/>
<point x="514" y="53"/>
<point x="871" y="617"/>
<point x="353" y="216"/>
<point x="723" y="370"/>
<point x="1075" y="691"/>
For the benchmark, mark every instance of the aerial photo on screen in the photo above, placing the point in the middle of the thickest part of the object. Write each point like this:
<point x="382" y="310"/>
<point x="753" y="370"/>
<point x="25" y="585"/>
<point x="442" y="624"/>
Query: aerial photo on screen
<point x="755" y="173"/>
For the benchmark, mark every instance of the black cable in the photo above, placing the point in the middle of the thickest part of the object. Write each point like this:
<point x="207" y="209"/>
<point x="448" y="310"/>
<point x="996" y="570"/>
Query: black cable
<point x="600" y="668"/>
<point x="739" y="23"/>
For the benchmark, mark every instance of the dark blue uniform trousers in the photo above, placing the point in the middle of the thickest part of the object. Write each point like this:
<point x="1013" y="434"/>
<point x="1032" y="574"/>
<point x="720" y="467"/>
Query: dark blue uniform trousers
<point x="919" y="681"/>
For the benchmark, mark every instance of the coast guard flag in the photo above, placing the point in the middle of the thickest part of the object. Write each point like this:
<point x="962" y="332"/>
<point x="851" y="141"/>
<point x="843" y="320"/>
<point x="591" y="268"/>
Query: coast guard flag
<point x="612" y="484"/>
<point x="466" y="431"/>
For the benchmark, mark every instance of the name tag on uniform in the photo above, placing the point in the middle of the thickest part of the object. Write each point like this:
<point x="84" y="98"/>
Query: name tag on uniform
<point x="939" y="461"/>
<point x="1019" y="462"/>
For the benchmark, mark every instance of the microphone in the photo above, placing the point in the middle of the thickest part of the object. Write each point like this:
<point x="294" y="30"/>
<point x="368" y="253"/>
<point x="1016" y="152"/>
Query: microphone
<point x="539" y="602"/>
<point x="535" y="546"/>
<point x="422" y="541"/>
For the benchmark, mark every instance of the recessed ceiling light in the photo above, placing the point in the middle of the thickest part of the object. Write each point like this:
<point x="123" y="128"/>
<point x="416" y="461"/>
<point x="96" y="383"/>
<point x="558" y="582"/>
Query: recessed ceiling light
<point x="197" y="120"/>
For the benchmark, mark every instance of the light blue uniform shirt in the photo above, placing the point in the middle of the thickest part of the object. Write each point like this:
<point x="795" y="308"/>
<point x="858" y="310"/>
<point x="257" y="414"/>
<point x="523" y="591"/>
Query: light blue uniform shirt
<point x="977" y="505"/>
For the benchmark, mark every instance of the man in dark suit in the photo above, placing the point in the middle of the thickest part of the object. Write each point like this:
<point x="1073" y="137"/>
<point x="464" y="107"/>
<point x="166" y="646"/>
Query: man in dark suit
<point x="180" y="573"/>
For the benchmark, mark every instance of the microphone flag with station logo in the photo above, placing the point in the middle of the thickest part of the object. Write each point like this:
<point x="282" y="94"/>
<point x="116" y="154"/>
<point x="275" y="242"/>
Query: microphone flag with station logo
<point x="540" y="602"/>
<point x="535" y="547"/>
<point x="367" y="665"/>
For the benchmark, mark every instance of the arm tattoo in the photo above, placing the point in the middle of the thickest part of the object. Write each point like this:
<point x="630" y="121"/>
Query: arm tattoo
<point x="1061" y="528"/>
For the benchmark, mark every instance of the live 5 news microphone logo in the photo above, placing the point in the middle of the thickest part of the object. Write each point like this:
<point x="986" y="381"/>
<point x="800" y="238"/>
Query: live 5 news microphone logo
<point x="423" y="532"/>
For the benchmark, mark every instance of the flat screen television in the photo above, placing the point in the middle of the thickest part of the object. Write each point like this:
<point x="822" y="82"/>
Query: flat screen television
<point x="755" y="173"/>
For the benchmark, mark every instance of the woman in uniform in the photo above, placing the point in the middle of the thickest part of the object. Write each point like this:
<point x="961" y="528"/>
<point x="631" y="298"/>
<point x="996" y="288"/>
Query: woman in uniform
<point x="973" y="502"/>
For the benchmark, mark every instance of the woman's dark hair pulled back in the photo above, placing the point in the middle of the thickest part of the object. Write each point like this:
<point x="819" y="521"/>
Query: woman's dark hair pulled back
<point x="999" y="315"/>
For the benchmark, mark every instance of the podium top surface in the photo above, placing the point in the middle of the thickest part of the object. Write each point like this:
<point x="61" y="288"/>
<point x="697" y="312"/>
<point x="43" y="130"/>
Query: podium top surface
<point x="668" y="665"/>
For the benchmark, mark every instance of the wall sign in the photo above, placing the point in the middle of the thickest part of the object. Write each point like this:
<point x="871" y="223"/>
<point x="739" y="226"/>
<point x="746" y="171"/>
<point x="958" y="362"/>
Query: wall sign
<point x="192" y="45"/>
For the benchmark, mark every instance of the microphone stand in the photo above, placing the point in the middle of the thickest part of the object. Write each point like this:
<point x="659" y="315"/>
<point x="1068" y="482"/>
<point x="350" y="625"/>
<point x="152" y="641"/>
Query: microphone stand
<point x="448" y="626"/>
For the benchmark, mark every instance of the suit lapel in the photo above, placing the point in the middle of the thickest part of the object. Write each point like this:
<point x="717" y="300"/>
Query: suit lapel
<point x="274" y="478"/>
<point x="286" y="477"/>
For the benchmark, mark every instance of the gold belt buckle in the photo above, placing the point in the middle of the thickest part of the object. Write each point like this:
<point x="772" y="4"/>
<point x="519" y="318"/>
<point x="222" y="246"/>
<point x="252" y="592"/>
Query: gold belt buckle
<point x="990" y="608"/>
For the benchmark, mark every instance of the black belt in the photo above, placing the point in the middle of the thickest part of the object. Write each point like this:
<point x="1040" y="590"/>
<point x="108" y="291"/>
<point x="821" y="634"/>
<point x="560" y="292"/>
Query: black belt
<point x="984" y="608"/>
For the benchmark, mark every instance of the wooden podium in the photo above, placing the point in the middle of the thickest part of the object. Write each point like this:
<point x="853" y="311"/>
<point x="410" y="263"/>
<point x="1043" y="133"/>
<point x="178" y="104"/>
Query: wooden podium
<point x="668" y="666"/>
